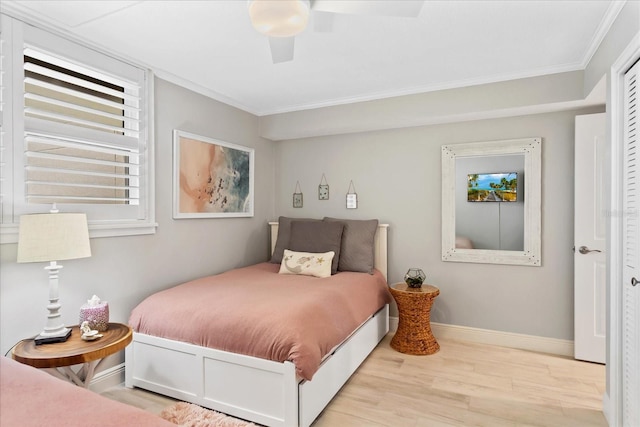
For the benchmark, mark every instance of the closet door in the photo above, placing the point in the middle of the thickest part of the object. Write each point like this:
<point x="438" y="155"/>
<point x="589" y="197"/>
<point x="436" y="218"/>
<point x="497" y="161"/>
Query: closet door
<point x="631" y="251"/>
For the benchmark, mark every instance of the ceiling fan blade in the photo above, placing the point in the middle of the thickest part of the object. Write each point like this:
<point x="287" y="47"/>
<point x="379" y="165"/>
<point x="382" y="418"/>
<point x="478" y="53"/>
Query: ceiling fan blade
<point x="281" y="49"/>
<point x="323" y="21"/>
<point x="400" y="8"/>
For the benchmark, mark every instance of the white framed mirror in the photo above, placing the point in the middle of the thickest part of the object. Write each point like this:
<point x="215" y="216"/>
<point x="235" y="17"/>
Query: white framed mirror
<point x="491" y="202"/>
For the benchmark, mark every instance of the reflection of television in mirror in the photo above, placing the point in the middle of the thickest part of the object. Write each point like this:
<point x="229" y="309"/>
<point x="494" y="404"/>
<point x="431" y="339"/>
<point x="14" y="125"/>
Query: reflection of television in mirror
<point x="492" y="187"/>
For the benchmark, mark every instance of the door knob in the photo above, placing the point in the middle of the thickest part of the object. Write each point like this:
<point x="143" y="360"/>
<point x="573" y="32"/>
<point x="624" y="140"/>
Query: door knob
<point x="634" y="281"/>
<point x="585" y="250"/>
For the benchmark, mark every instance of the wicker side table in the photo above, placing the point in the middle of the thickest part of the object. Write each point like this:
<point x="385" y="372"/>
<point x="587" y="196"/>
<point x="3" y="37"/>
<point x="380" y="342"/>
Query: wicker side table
<point x="414" y="334"/>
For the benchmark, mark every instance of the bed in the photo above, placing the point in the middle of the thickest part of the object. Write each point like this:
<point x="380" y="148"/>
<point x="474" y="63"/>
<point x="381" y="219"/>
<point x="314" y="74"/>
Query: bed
<point x="30" y="397"/>
<point x="288" y="392"/>
<point x="463" y="242"/>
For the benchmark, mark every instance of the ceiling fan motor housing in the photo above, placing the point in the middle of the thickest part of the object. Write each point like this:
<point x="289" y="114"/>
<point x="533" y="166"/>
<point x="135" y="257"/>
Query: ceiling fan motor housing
<point x="279" y="18"/>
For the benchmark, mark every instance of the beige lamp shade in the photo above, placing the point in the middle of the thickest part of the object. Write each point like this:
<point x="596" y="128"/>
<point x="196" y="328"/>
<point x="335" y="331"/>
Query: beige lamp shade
<point x="53" y="237"/>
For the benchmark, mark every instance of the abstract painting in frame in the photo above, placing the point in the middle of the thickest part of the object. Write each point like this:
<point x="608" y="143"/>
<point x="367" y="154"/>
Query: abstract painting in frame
<point x="211" y="178"/>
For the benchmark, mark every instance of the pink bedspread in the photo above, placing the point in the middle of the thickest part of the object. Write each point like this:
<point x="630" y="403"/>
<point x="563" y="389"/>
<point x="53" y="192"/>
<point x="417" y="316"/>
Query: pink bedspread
<point x="33" y="398"/>
<point x="257" y="312"/>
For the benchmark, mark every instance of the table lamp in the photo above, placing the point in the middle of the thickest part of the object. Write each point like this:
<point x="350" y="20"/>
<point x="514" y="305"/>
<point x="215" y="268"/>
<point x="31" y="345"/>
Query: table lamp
<point x="53" y="237"/>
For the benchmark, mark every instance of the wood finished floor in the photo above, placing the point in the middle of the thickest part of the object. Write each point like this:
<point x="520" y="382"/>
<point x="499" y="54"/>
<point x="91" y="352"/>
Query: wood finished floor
<point x="464" y="384"/>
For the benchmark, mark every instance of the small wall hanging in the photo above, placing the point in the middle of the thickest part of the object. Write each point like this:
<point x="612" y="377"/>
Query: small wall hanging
<point x="352" y="197"/>
<point x="297" y="196"/>
<point x="323" y="189"/>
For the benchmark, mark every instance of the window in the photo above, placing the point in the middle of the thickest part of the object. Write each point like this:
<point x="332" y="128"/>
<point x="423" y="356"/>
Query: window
<point x="64" y="169"/>
<point x="75" y="132"/>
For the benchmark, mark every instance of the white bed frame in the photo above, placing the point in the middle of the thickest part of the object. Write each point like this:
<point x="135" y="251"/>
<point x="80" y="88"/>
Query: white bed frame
<point x="258" y="390"/>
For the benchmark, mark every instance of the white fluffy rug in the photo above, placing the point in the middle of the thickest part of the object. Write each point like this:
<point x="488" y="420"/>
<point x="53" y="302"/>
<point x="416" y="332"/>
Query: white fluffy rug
<point x="190" y="415"/>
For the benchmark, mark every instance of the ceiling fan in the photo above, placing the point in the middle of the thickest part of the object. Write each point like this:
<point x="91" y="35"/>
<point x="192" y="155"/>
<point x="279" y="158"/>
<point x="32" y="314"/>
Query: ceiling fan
<point x="281" y="20"/>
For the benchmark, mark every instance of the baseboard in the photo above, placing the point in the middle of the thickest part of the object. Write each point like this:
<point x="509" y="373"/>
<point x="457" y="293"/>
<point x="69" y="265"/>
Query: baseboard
<point x="607" y="409"/>
<point x="504" y="339"/>
<point x="108" y="378"/>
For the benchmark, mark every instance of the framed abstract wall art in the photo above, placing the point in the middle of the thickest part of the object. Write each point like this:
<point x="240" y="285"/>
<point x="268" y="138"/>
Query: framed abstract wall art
<point x="211" y="178"/>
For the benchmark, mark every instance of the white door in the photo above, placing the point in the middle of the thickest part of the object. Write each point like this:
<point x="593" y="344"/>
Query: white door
<point x="631" y="251"/>
<point x="590" y="228"/>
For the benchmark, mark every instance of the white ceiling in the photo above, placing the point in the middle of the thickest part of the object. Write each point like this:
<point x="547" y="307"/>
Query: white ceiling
<point x="211" y="46"/>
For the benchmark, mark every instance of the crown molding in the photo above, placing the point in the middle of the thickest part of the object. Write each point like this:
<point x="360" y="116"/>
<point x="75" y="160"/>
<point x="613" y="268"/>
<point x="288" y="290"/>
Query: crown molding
<point x="601" y="32"/>
<point x="498" y="78"/>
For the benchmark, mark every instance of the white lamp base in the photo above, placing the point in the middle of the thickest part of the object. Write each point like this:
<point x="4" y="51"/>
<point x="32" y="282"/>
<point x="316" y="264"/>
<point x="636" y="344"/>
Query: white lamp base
<point x="54" y="330"/>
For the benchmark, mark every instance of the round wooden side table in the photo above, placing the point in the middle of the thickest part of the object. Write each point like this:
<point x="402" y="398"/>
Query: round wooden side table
<point x="57" y="358"/>
<point x="414" y="334"/>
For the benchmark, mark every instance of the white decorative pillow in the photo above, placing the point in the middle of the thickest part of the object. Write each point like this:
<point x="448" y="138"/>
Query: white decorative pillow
<point x="306" y="263"/>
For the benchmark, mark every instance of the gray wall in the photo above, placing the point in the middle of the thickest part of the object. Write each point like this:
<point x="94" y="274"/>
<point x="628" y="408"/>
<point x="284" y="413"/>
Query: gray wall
<point x="124" y="270"/>
<point x="397" y="177"/>
<point x="549" y="92"/>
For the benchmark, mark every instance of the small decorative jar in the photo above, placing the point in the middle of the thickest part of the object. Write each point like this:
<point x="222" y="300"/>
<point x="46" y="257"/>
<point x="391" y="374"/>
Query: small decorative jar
<point x="95" y="312"/>
<point x="414" y="278"/>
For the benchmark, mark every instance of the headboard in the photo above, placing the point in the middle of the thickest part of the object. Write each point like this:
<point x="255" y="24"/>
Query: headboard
<point x="380" y="246"/>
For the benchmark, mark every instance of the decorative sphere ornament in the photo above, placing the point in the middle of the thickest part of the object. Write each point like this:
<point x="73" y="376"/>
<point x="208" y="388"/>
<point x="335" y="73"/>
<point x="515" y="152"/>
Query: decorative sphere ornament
<point x="414" y="278"/>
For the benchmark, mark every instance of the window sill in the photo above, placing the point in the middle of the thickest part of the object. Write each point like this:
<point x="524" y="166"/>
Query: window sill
<point x="9" y="232"/>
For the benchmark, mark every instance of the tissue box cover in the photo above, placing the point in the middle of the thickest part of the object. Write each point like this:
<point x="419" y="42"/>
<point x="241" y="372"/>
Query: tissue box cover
<point x="97" y="315"/>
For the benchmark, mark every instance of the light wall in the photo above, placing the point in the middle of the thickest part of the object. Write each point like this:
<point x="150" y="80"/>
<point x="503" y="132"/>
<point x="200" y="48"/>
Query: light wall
<point x="397" y="176"/>
<point x="550" y="92"/>
<point x="124" y="270"/>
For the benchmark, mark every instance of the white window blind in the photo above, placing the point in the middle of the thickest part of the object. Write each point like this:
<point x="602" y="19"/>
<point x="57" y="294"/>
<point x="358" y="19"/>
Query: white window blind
<point x="62" y="165"/>
<point x="80" y="134"/>
<point x="63" y="170"/>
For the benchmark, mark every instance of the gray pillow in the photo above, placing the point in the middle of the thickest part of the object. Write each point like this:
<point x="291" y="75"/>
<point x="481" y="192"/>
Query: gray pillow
<point x="284" y="234"/>
<point x="357" y="250"/>
<point x="317" y="237"/>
